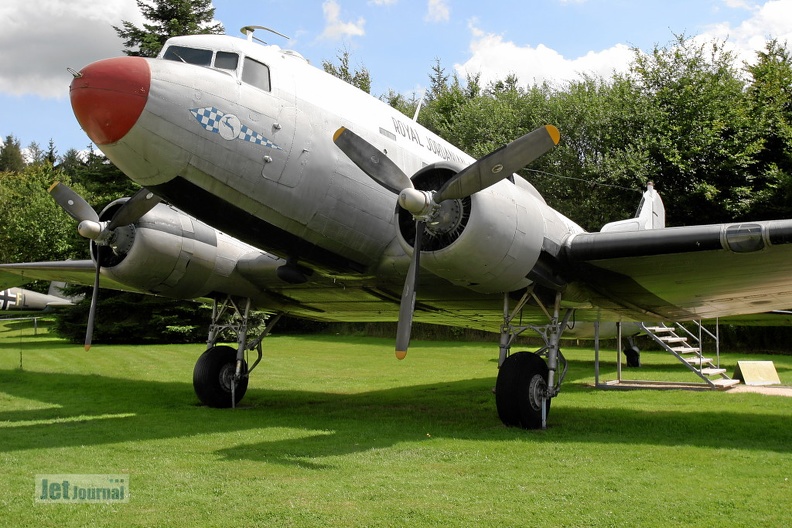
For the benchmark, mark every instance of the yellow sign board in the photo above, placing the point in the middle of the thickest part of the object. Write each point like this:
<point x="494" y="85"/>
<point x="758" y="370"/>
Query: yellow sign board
<point x="756" y="373"/>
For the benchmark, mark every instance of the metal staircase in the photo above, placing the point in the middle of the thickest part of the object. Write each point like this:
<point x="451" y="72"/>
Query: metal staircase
<point x="686" y="346"/>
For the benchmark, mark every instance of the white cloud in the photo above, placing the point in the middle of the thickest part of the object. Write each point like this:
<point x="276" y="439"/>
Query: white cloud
<point x="41" y="38"/>
<point x="335" y="28"/>
<point x="494" y="58"/>
<point x="438" y="11"/>
<point x="773" y="19"/>
<point x="738" y="4"/>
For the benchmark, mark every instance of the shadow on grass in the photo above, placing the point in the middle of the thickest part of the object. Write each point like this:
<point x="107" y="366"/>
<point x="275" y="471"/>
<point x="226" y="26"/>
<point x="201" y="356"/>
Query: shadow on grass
<point x="98" y="410"/>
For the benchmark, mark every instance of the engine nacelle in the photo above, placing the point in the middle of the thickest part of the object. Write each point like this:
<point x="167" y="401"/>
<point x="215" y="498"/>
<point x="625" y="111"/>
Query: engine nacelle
<point x="488" y="242"/>
<point x="170" y="253"/>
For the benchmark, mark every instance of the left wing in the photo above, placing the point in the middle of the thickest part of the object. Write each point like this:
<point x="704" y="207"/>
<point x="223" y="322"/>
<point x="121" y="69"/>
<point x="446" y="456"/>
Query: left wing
<point x="69" y="271"/>
<point x="679" y="273"/>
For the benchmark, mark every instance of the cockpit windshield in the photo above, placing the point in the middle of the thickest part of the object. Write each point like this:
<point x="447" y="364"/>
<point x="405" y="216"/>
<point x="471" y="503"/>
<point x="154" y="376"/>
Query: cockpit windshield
<point x="254" y="72"/>
<point x="199" y="57"/>
<point x="222" y="60"/>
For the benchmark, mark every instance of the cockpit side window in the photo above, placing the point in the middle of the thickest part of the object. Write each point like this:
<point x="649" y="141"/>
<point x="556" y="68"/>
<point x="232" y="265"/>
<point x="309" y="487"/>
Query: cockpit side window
<point x="198" y="57"/>
<point x="256" y="74"/>
<point x="226" y="61"/>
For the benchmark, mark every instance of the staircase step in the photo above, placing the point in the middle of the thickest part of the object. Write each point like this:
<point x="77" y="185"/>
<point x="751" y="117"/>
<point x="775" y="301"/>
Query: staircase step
<point x="726" y="383"/>
<point x="686" y="350"/>
<point x="673" y="339"/>
<point x="697" y="360"/>
<point x="713" y="371"/>
<point x="658" y="329"/>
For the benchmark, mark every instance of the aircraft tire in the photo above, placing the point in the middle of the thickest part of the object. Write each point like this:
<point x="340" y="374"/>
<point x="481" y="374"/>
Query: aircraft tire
<point x="633" y="355"/>
<point x="520" y="379"/>
<point x="212" y="377"/>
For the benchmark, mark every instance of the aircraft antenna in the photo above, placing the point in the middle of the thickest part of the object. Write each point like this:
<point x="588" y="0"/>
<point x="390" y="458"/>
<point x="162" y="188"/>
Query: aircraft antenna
<point x="249" y="30"/>
<point x="420" y="105"/>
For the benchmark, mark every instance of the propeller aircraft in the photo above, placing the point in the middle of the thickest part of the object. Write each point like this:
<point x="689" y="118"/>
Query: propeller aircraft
<point x="271" y="185"/>
<point x="20" y="299"/>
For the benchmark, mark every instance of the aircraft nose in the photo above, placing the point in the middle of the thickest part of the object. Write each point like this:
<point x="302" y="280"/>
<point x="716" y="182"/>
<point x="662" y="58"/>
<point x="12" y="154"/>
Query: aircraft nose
<point x="108" y="97"/>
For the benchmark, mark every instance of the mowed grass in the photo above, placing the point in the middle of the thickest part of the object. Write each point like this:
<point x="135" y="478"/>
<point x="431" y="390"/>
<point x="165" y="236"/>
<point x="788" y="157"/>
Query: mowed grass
<point x="334" y="431"/>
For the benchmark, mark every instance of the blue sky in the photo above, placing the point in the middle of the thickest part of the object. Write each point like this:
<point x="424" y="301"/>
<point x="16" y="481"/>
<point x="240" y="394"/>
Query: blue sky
<point x="398" y="41"/>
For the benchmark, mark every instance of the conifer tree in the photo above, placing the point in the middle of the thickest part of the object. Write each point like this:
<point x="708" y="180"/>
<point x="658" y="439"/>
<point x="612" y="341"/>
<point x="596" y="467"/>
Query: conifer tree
<point x="165" y="19"/>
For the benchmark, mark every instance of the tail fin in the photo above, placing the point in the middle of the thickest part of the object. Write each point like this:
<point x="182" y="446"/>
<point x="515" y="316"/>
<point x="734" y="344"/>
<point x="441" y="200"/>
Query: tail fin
<point x="56" y="289"/>
<point x="650" y="215"/>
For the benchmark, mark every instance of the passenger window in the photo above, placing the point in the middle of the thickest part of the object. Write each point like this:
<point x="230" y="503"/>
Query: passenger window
<point x="198" y="57"/>
<point x="256" y="74"/>
<point x="226" y="61"/>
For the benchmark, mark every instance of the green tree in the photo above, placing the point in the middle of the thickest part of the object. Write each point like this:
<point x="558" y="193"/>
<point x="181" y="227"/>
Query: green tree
<point x="32" y="226"/>
<point x="103" y="181"/>
<point x="400" y="102"/>
<point x="770" y="102"/>
<point x="698" y="136"/>
<point x="167" y="18"/>
<point x="359" y="78"/>
<point x="71" y="162"/>
<point x="11" y="158"/>
<point x="35" y="153"/>
<point x="123" y="317"/>
<point x="51" y="155"/>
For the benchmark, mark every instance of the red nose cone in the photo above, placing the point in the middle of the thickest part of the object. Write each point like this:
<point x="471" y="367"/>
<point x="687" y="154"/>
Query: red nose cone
<point x="109" y="97"/>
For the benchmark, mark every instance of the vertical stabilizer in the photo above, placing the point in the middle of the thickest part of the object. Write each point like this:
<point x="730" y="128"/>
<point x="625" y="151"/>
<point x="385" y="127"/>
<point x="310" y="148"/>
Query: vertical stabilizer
<point x="650" y="215"/>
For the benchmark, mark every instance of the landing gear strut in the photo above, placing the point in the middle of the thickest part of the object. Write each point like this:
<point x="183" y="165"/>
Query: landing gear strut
<point x="220" y="376"/>
<point x="526" y="382"/>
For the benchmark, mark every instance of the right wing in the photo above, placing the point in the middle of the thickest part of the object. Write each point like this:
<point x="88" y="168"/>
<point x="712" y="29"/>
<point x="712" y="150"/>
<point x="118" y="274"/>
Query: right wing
<point x="683" y="273"/>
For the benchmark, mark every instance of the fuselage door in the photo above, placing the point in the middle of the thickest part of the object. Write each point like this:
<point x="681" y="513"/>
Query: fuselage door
<point x="268" y="93"/>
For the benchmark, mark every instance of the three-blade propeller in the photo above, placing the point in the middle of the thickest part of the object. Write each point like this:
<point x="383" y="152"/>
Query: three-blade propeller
<point x="100" y="232"/>
<point x="481" y="174"/>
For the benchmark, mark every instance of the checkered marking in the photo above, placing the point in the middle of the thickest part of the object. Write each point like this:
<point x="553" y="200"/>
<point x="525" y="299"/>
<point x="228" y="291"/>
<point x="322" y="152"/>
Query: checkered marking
<point x="229" y="126"/>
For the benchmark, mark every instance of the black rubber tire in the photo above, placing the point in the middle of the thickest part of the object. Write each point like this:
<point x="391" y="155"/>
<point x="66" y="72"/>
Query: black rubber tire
<point x="212" y="377"/>
<point x="633" y="355"/>
<point x="519" y="378"/>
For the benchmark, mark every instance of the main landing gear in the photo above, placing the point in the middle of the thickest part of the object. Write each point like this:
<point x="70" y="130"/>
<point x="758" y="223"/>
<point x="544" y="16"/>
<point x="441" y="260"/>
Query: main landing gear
<point x="220" y="376"/>
<point x="526" y="382"/>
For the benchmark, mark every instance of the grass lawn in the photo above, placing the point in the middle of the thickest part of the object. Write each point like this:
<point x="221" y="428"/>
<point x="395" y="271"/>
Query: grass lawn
<point x="334" y="431"/>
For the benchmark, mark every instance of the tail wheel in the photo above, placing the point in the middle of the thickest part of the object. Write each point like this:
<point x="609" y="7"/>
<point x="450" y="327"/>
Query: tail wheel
<point x="519" y="390"/>
<point x="214" y="371"/>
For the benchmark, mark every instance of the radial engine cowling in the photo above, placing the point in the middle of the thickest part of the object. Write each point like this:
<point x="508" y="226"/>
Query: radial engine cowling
<point x="488" y="242"/>
<point x="170" y="253"/>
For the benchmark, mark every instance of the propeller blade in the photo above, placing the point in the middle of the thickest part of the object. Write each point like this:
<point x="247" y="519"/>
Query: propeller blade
<point x="92" y="311"/>
<point x="370" y="160"/>
<point x="141" y="203"/>
<point x="499" y="164"/>
<point x="72" y="203"/>
<point x="407" y="305"/>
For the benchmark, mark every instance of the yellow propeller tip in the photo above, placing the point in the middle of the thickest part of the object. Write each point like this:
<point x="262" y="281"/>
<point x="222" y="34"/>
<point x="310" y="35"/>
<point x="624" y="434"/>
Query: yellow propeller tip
<point x="338" y="133"/>
<point x="401" y="354"/>
<point x="87" y="347"/>
<point x="555" y="135"/>
<point x="53" y="186"/>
